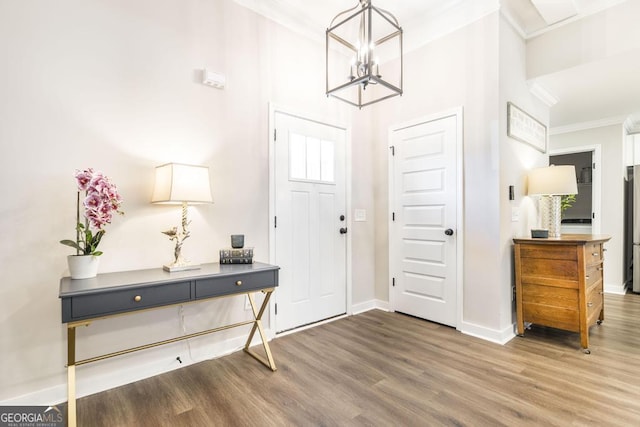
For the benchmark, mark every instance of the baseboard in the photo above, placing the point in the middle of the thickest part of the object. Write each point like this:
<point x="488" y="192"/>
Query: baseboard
<point x="497" y="336"/>
<point x="369" y="305"/>
<point x="116" y="372"/>
<point x="614" y="289"/>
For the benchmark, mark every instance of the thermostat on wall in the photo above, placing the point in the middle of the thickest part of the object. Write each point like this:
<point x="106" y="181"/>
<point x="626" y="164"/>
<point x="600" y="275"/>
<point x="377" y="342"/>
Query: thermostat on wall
<point x="211" y="78"/>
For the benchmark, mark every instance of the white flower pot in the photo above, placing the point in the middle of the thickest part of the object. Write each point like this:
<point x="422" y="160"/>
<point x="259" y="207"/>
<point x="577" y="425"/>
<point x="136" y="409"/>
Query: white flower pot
<point x="83" y="266"/>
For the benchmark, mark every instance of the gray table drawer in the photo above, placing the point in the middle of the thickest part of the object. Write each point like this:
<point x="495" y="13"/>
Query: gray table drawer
<point x="211" y="287"/>
<point x="103" y="304"/>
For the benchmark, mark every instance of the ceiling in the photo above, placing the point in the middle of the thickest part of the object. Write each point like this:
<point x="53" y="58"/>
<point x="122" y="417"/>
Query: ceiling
<point x="613" y="83"/>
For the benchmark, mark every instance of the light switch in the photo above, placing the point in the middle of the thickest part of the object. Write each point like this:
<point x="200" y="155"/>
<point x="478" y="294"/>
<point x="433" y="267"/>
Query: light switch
<point x="360" y="215"/>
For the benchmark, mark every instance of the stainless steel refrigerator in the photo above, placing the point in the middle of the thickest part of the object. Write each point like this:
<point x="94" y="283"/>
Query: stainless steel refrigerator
<point x="632" y="226"/>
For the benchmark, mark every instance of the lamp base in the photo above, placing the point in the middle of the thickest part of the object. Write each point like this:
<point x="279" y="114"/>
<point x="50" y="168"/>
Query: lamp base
<point x="551" y="214"/>
<point x="173" y="267"/>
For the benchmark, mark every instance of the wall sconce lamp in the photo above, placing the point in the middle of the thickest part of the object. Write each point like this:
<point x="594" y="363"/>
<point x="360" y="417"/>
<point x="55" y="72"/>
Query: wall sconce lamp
<point x="551" y="183"/>
<point x="181" y="184"/>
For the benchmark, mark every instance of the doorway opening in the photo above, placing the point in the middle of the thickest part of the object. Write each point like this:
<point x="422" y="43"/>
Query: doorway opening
<point x="583" y="216"/>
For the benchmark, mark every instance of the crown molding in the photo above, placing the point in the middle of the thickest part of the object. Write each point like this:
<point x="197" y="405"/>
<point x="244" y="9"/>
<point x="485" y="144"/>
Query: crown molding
<point x="508" y="16"/>
<point x="632" y="124"/>
<point x="542" y="93"/>
<point x="418" y="31"/>
<point x="575" y="127"/>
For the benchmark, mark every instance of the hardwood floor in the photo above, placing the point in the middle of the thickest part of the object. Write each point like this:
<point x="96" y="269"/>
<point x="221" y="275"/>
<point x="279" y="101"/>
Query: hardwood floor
<point x="384" y="369"/>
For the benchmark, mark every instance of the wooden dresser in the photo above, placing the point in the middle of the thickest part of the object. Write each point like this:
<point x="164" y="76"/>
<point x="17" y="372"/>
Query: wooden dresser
<point x="559" y="282"/>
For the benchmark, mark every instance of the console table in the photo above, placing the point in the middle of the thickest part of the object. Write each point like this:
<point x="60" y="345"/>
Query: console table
<point x="559" y="282"/>
<point x="115" y="294"/>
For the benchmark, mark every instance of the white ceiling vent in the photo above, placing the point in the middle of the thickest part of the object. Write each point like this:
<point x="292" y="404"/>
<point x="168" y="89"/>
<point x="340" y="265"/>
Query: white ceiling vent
<point x="553" y="11"/>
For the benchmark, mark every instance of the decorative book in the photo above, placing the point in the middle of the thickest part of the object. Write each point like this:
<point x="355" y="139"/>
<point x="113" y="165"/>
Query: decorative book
<point x="236" y="256"/>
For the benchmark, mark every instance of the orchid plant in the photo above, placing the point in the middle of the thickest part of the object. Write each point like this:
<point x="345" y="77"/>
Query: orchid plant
<point x="101" y="201"/>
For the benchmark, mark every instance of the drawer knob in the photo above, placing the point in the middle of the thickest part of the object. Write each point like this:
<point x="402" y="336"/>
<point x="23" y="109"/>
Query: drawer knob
<point x="587" y="277"/>
<point x="589" y="304"/>
<point x="238" y="282"/>
<point x="596" y="254"/>
<point x="137" y="298"/>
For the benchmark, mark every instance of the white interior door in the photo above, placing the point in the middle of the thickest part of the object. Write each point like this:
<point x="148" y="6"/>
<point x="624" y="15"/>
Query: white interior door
<point x="310" y="221"/>
<point x="423" y="230"/>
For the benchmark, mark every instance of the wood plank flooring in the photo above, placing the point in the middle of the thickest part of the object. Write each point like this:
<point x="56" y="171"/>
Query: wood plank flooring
<point x="388" y="369"/>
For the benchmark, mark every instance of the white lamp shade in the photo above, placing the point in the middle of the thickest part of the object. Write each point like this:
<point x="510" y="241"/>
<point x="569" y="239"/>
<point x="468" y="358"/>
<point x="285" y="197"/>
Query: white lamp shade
<point x="553" y="180"/>
<point x="177" y="183"/>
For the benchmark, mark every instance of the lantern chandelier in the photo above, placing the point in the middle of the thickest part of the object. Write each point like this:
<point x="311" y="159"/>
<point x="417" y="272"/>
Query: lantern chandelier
<point x="358" y="41"/>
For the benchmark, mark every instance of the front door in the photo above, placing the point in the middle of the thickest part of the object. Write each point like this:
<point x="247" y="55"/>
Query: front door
<point x="423" y="229"/>
<point x="310" y="221"/>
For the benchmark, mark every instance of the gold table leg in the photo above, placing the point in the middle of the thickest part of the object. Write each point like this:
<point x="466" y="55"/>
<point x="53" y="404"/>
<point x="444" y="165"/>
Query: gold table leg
<point x="71" y="376"/>
<point x="257" y="325"/>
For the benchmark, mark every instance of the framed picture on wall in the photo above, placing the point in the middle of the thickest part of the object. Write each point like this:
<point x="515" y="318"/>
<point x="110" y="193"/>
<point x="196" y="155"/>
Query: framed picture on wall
<point x="525" y="128"/>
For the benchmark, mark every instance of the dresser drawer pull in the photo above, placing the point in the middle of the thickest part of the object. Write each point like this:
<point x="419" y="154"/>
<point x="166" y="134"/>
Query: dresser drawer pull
<point x="589" y="304"/>
<point x="587" y="277"/>
<point x="238" y="282"/>
<point x="600" y="268"/>
<point x="137" y="298"/>
<point x="596" y="254"/>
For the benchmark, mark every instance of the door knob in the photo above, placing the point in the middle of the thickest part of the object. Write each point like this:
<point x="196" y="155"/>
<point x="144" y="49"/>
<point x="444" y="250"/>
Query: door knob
<point x="343" y="230"/>
<point x="448" y="232"/>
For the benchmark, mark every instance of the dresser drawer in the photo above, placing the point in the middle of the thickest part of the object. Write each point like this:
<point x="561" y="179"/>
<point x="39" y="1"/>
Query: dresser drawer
<point x="212" y="287"/>
<point x="594" y="302"/>
<point x="593" y="253"/>
<point x="540" y="270"/>
<point x="593" y="275"/>
<point x="550" y="296"/>
<point x="107" y="303"/>
<point x="552" y="316"/>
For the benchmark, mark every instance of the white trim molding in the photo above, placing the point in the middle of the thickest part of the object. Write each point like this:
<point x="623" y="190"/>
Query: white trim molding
<point x="493" y="335"/>
<point x="542" y="93"/>
<point x="632" y="124"/>
<point x="575" y="127"/>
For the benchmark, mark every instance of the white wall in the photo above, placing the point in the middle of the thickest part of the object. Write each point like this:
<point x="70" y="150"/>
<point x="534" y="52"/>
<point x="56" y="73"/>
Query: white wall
<point x="610" y="138"/>
<point x="484" y="66"/>
<point x="114" y="85"/>
<point x="516" y="159"/>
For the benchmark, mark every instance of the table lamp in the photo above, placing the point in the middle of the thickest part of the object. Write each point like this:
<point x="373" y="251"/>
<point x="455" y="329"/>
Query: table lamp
<point x="551" y="183"/>
<point x="177" y="183"/>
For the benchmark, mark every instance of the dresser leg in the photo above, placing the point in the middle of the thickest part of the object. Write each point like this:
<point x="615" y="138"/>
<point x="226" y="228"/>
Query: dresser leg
<point x="584" y="340"/>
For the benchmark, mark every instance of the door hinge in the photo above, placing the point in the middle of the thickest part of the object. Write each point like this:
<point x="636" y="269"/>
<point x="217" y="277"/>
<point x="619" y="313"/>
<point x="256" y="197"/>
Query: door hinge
<point x="593" y="165"/>
<point x="393" y="281"/>
<point x="393" y="150"/>
<point x="593" y="215"/>
<point x="393" y="216"/>
<point x="275" y="134"/>
<point x="275" y="222"/>
<point x="276" y="305"/>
